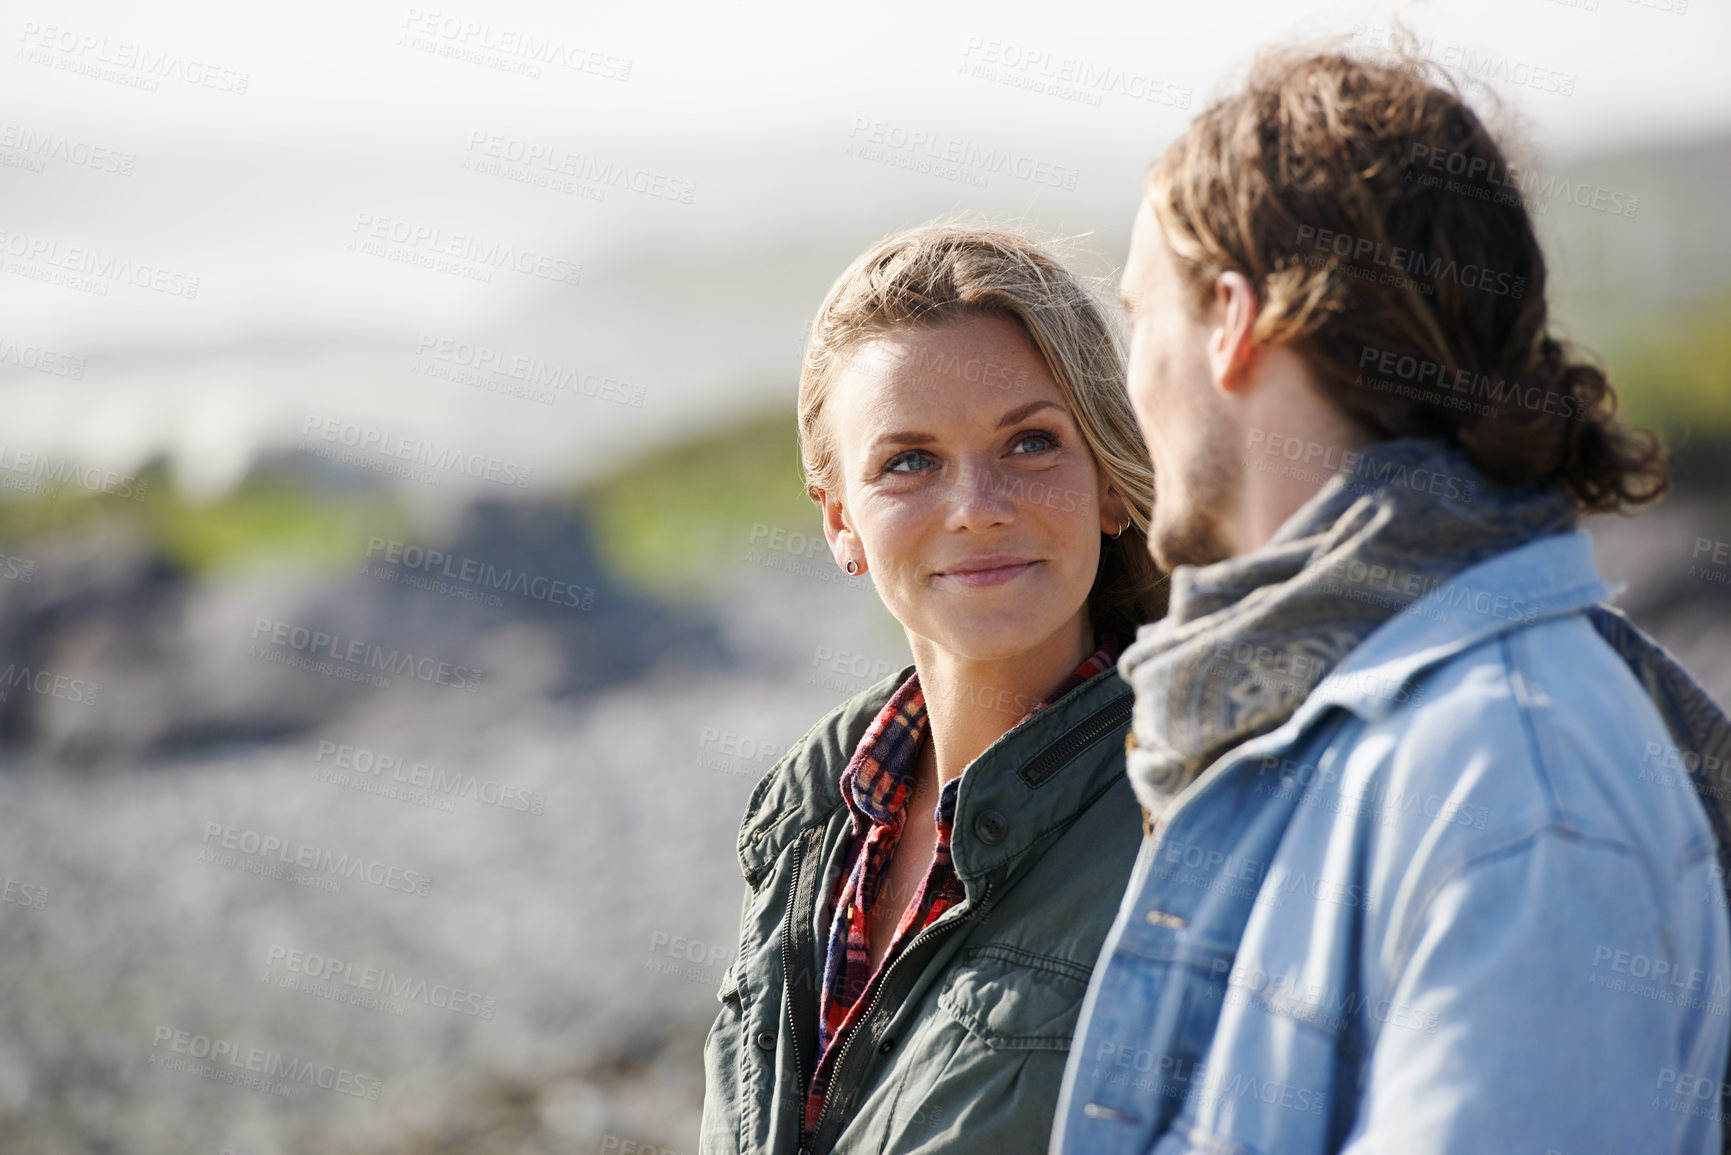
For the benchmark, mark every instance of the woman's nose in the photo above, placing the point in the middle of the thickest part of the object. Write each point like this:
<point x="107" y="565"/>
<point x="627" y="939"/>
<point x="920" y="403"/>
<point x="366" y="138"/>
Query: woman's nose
<point x="982" y="496"/>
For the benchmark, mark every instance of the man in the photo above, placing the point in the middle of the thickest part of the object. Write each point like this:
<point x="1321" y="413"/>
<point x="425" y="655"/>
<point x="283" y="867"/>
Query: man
<point x="1434" y="842"/>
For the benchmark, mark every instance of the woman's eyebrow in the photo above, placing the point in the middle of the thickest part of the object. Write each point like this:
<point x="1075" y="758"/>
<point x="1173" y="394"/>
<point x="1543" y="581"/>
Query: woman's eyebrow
<point x="1022" y="411"/>
<point x="903" y="437"/>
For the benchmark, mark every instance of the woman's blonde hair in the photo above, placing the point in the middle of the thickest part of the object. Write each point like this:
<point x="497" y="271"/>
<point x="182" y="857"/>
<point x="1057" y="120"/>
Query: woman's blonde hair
<point x="936" y="273"/>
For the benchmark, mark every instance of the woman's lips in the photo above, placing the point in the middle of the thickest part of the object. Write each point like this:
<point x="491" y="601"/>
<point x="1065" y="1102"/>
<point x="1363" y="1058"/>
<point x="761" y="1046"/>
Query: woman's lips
<point x="996" y="575"/>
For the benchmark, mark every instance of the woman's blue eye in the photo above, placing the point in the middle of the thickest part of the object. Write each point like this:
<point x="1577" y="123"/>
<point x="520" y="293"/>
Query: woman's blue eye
<point x="1047" y="438"/>
<point x="911" y="455"/>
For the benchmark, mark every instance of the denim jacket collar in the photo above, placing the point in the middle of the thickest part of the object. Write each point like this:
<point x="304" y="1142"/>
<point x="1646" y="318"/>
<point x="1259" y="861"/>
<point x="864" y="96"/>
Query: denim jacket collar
<point x="1546" y="578"/>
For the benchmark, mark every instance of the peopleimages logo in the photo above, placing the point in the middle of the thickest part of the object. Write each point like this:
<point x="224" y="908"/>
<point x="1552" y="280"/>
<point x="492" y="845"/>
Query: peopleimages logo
<point x="1083" y="76"/>
<point x="532" y="371"/>
<point x="474" y="571"/>
<point x="361" y="654"/>
<point x="383" y="443"/>
<point x="482" y="42"/>
<point x="424" y="776"/>
<point x="1429" y="374"/>
<point x="374" y="230"/>
<point x="964" y="157"/>
<point x="78" y="691"/>
<point x="135" y="65"/>
<point x="40" y="359"/>
<point x="1434" y="270"/>
<point x="1507" y="184"/>
<point x="326" y="969"/>
<point x="41" y="146"/>
<point x="106" y="268"/>
<point x="556" y="161"/>
<point x="255" y="1060"/>
<point x="307" y="856"/>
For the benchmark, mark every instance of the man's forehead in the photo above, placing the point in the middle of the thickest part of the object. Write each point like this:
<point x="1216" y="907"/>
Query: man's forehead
<point x="1148" y="254"/>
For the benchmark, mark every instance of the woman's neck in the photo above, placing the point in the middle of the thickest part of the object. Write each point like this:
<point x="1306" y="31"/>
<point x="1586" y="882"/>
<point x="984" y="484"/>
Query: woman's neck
<point x="971" y="703"/>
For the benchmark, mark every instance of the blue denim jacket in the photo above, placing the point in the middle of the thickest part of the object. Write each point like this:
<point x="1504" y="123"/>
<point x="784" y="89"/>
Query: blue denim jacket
<point x="1463" y="900"/>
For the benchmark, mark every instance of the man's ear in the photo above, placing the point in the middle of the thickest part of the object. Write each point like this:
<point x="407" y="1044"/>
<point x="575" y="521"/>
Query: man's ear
<point x="1231" y="351"/>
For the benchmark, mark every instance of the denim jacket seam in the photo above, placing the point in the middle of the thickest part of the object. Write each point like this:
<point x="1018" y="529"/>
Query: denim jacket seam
<point x="1531" y="720"/>
<point x="1468" y="863"/>
<point x="1511" y="840"/>
<point x="1514" y="678"/>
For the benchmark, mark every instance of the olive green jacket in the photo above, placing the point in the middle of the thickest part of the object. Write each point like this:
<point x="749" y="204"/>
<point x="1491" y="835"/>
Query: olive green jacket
<point x="963" y="1048"/>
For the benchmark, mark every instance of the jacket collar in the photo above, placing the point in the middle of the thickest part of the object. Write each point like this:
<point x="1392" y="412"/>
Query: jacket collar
<point x="1017" y="791"/>
<point x="803" y="788"/>
<point x="1546" y="578"/>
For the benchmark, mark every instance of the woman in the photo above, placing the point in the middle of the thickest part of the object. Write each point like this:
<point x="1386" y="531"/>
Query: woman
<point x="932" y="869"/>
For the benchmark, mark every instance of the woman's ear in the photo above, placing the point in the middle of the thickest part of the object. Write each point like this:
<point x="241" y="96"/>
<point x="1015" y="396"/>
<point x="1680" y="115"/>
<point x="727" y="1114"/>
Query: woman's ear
<point x="844" y="544"/>
<point x="1114" y="513"/>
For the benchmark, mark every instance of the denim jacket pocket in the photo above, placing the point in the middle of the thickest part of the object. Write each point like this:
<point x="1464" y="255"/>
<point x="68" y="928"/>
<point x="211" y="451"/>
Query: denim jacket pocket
<point x="1146" y="1052"/>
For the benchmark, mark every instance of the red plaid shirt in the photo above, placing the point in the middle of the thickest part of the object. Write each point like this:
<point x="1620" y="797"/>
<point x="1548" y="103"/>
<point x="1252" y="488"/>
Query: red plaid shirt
<point x="875" y="786"/>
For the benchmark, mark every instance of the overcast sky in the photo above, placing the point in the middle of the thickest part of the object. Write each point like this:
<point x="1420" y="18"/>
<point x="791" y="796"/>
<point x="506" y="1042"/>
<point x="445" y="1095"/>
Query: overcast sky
<point x="735" y="69"/>
<point x="252" y="150"/>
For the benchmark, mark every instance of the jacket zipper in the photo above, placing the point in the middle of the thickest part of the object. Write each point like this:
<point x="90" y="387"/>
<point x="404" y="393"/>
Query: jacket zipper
<point x="1110" y="717"/>
<point x="847" y="1044"/>
<point x="1087" y="731"/>
<point x="787" y="972"/>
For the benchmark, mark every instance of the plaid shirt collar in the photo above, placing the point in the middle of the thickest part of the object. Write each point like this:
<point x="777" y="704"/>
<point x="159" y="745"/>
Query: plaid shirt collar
<point x="876" y="782"/>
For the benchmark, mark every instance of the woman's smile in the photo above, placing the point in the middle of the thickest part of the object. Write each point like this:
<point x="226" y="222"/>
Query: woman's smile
<point x="987" y="571"/>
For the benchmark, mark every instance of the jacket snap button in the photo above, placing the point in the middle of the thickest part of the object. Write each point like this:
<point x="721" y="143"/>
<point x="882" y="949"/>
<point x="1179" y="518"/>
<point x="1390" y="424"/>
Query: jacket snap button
<point x="991" y="827"/>
<point x="766" y="1040"/>
<point x="886" y="1046"/>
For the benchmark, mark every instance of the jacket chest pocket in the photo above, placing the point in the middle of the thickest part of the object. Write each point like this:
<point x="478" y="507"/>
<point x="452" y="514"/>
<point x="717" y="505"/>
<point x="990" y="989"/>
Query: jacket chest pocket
<point x="981" y="1069"/>
<point x="1014" y="1000"/>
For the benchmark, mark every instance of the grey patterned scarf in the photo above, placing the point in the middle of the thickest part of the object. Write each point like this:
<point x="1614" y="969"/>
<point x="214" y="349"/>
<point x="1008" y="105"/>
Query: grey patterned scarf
<point x="1246" y="640"/>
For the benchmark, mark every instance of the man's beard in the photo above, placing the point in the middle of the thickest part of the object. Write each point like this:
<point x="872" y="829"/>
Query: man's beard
<point x="1187" y="526"/>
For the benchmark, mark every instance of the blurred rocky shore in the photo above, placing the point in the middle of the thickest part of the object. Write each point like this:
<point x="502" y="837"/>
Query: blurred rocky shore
<point x="453" y="834"/>
<point x="436" y="853"/>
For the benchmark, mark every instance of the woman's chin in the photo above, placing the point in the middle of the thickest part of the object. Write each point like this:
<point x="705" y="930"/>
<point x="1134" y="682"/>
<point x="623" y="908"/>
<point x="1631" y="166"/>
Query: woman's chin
<point x="994" y="637"/>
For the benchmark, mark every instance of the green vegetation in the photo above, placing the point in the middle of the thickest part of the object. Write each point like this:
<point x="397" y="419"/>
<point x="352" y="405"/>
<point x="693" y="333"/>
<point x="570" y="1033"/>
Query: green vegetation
<point x="670" y="518"/>
<point x="1676" y="374"/>
<point x="666" y="521"/>
<point x="269" y="516"/>
<point x="275" y="519"/>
